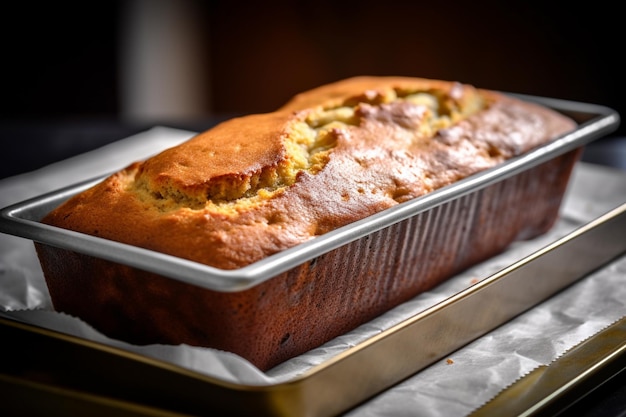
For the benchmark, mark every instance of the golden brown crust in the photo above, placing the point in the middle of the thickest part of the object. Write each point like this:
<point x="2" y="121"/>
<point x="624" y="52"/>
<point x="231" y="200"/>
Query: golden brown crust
<point x="256" y="185"/>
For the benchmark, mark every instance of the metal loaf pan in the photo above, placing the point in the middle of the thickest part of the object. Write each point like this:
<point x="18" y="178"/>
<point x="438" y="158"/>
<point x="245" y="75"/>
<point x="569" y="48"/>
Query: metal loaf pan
<point x="332" y="283"/>
<point x="345" y="277"/>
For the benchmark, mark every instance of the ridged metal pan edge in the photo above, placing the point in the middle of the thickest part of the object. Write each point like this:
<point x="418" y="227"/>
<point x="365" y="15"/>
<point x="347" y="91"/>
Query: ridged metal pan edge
<point x="21" y="219"/>
<point x="351" y="377"/>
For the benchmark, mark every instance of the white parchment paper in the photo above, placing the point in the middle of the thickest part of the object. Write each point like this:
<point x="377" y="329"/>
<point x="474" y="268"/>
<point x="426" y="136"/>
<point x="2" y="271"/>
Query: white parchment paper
<point x="473" y="375"/>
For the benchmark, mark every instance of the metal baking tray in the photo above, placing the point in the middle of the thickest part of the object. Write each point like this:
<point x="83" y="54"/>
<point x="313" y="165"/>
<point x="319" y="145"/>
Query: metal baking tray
<point x="91" y="378"/>
<point x="22" y="219"/>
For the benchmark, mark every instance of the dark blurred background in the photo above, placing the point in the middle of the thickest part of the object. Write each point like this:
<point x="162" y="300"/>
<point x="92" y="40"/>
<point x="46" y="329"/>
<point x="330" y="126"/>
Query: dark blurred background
<point x="77" y="75"/>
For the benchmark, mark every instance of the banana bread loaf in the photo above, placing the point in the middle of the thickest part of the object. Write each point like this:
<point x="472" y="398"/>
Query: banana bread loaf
<point x="255" y="185"/>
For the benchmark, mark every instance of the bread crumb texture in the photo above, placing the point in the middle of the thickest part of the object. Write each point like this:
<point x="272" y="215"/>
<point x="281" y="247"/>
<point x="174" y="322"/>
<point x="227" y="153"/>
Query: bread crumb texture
<point x="229" y="168"/>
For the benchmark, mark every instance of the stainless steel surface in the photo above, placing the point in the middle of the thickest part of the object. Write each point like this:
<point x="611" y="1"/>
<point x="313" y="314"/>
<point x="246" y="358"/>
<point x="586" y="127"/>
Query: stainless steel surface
<point x="22" y="219"/>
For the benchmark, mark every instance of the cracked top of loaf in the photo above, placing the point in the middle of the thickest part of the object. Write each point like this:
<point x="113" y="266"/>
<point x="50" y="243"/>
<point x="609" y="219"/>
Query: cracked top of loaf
<point x="255" y="185"/>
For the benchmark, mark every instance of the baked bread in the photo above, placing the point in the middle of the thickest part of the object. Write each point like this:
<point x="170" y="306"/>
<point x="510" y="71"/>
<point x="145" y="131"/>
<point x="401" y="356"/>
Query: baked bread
<point x="259" y="184"/>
